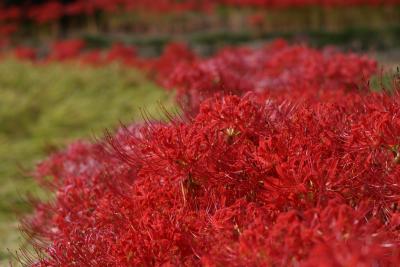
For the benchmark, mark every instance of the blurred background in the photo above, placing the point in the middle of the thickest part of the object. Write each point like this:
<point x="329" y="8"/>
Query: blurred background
<point x="69" y="69"/>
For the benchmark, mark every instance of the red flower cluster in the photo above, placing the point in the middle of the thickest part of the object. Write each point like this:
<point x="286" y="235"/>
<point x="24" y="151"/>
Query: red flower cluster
<point x="9" y="18"/>
<point x="74" y="49"/>
<point x="275" y="68"/>
<point x="305" y="172"/>
<point x="245" y="183"/>
<point x="50" y="11"/>
<point x="174" y="56"/>
<point x="25" y="53"/>
<point x="63" y="50"/>
<point x="119" y="52"/>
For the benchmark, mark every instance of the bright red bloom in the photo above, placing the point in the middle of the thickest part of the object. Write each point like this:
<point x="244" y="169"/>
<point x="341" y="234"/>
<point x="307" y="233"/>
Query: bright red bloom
<point x="10" y="14"/>
<point x="25" y="53"/>
<point x="120" y="52"/>
<point x="46" y="12"/>
<point x="247" y="182"/>
<point x="275" y="68"/>
<point x="66" y="49"/>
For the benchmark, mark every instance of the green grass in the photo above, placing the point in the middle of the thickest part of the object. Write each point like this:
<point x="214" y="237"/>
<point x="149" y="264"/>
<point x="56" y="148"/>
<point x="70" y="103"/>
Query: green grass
<point x="46" y="107"/>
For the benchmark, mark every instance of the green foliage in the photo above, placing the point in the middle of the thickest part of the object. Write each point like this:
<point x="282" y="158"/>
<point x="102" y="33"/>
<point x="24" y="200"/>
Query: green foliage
<point x="42" y="108"/>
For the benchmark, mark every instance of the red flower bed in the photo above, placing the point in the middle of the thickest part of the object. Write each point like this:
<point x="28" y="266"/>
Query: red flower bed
<point x="47" y="12"/>
<point x="53" y="10"/>
<point x="302" y="171"/>
<point x="275" y="68"/>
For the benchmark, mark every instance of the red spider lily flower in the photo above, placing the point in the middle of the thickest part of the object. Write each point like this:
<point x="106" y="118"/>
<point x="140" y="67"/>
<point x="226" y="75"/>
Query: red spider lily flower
<point x="246" y="182"/>
<point x="25" y="53"/>
<point x="120" y="52"/>
<point x="47" y="12"/>
<point x="66" y="49"/>
<point x="10" y="14"/>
